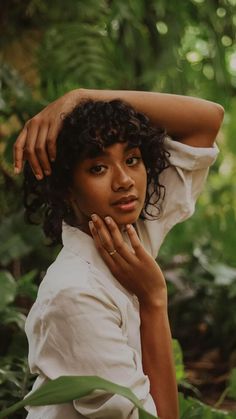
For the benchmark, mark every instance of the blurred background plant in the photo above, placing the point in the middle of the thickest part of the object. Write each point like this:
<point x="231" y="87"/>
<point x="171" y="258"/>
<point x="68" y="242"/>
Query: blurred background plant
<point x="176" y="47"/>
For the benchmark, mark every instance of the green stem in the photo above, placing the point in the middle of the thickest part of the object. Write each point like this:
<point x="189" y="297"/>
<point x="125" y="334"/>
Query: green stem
<point x="221" y="398"/>
<point x="12" y="409"/>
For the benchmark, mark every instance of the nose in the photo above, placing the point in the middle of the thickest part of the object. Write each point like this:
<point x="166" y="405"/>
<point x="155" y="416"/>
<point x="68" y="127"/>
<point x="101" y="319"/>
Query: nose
<point x="122" y="179"/>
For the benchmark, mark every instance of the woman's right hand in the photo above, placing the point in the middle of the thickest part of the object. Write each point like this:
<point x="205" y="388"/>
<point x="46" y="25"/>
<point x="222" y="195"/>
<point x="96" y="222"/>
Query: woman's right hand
<point x="37" y="140"/>
<point x="135" y="269"/>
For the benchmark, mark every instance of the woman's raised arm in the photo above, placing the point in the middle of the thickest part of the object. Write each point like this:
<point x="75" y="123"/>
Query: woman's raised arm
<point x="190" y="120"/>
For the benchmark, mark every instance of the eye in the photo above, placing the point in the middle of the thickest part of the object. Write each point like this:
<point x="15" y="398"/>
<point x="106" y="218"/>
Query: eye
<point x="92" y="170"/>
<point x="97" y="170"/>
<point x="134" y="157"/>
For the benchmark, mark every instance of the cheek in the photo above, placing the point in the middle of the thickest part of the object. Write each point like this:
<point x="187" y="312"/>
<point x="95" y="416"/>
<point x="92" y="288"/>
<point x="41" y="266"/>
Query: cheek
<point x="91" y="191"/>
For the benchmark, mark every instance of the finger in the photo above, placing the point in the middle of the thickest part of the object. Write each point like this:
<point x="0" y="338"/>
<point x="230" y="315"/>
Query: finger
<point x="108" y="259"/>
<point x="108" y="245"/>
<point x="29" y="151"/>
<point x="135" y="242"/>
<point x="103" y="233"/>
<point x="51" y="139"/>
<point x="117" y="265"/>
<point x="18" y="151"/>
<point x="41" y="150"/>
<point x="119" y="244"/>
<point x="106" y="239"/>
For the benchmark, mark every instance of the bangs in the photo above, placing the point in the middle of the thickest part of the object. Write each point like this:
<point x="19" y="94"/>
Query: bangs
<point x="97" y="147"/>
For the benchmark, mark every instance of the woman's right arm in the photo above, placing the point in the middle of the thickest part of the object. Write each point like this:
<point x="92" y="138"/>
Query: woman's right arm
<point x="158" y="360"/>
<point x="140" y="274"/>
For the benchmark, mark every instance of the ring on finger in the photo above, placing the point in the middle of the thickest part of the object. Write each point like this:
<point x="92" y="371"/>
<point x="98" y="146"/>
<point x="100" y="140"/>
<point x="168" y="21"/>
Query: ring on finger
<point x="112" y="252"/>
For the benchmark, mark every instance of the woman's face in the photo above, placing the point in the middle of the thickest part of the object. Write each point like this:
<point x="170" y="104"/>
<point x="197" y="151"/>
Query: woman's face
<point x="100" y="181"/>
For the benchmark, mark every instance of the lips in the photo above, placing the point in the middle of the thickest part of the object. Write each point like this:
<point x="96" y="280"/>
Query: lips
<point x="125" y="199"/>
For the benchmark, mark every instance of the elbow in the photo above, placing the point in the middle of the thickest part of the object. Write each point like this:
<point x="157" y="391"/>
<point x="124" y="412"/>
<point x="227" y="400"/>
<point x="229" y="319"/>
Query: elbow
<point x="218" y="116"/>
<point x="215" y="119"/>
<point x="220" y="113"/>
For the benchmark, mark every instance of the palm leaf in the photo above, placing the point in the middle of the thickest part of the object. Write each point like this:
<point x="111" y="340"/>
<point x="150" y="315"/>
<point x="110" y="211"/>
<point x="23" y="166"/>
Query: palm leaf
<point x="67" y="388"/>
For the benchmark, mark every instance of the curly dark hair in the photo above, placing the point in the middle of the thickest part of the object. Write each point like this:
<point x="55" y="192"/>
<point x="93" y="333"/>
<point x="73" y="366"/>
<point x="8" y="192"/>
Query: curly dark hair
<point x="88" y="128"/>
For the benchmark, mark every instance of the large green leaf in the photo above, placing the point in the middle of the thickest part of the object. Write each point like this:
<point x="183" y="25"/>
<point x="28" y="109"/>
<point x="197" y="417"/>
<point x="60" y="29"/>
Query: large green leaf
<point x="7" y="289"/>
<point x="67" y="388"/>
<point x="13" y="315"/>
<point x="232" y="384"/>
<point x="179" y="365"/>
<point x="26" y="285"/>
<point x="194" y="409"/>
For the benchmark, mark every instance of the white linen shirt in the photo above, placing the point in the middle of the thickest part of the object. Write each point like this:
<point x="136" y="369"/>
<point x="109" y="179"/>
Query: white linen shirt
<point x="84" y="322"/>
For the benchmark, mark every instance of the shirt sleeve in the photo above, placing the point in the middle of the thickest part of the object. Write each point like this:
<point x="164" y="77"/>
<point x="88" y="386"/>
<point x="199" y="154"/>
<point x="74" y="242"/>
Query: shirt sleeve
<point x="80" y="334"/>
<point x="183" y="180"/>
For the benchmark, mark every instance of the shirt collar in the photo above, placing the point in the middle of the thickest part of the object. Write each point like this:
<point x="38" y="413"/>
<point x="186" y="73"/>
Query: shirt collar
<point x="80" y="243"/>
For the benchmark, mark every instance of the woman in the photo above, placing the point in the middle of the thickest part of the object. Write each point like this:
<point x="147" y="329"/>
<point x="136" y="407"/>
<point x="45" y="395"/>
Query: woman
<point x="101" y="309"/>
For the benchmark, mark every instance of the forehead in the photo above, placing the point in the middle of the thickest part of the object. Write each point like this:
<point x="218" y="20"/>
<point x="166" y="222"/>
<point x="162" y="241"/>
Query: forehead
<point x="107" y="151"/>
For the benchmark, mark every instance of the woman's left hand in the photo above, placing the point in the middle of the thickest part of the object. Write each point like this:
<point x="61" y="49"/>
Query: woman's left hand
<point x="130" y="266"/>
<point x="37" y="140"/>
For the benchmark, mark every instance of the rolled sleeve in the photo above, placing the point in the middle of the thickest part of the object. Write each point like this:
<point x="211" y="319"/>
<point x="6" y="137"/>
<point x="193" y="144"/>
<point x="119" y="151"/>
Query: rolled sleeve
<point x="81" y="334"/>
<point x="183" y="180"/>
<point x="190" y="158"/>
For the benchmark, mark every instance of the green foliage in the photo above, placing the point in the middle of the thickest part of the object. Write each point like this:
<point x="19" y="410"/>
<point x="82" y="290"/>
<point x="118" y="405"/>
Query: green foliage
<point x="232" y="384"/>
<point x="67" y="388"/>
<point x="15" y="379"/>
<point x="18" y="241"/>
<point x="193" y="409"/>
<point x="14" y="376"/>
<point x="190" y="53"/>
<point x="199" y="278"/>
<point x="135" y="45"/>
<point x="8" y="288"/>
<point x="178" y="357"/>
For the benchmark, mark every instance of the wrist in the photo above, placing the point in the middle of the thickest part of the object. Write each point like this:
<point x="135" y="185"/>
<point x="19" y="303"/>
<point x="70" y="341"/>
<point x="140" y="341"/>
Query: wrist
<point x="150" y="308"/>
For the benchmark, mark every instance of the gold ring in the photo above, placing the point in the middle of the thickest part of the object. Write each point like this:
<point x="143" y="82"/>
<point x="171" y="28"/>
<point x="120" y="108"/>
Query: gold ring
<point x="112" y="252"/>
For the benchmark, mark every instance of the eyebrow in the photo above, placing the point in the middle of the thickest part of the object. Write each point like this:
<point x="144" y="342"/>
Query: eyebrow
<point x="100" y="153"/>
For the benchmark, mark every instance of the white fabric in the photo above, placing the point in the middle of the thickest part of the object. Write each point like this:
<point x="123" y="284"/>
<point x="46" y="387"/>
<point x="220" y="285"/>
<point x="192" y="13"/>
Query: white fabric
<point x="84" y="322"/>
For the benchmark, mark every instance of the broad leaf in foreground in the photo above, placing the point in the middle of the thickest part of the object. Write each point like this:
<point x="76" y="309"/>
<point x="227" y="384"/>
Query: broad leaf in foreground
<point x="67" y="388"/>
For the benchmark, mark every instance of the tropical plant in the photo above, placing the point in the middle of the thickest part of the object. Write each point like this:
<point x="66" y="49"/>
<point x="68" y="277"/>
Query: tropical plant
<point x="47" y="49"/>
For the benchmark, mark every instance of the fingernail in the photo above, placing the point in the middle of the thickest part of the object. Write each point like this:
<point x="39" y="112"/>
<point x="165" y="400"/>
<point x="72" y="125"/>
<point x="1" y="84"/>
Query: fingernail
<point x="39" y="177"/>
<point x="94" y="217"/>
<point x="91" y="225"/>
<point x="16" y="170"/>
<point x="47" y="172"/>
<point x="128" y="226"/>
<point x="108" y="220"/>
<point x="52" y="158"/>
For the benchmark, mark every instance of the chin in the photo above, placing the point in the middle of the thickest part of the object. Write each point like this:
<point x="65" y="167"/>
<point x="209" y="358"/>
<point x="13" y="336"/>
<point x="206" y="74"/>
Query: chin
<point x="126" y="219"/>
